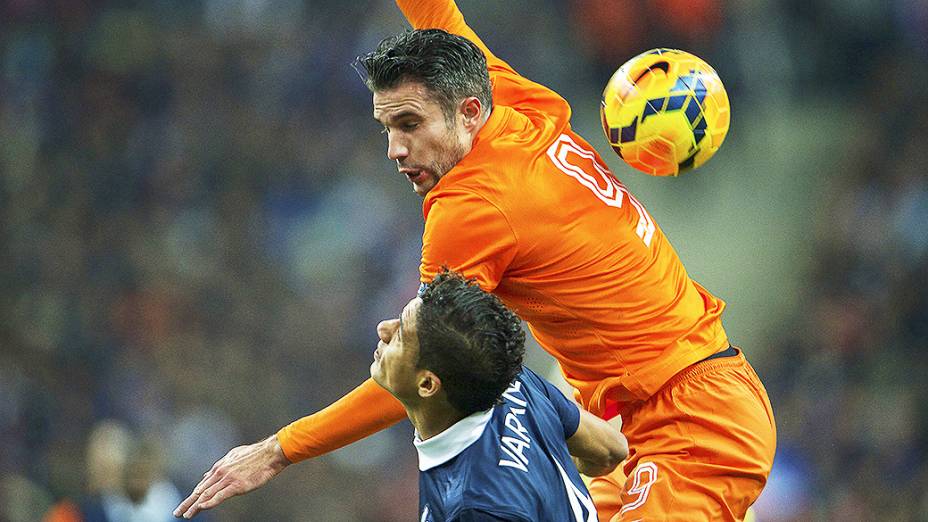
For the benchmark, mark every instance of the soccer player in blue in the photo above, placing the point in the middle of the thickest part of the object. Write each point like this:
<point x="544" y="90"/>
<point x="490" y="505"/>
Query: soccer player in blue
<point x="494" y="439"/>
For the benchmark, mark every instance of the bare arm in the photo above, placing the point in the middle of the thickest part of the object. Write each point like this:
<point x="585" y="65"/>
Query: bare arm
<point x="243" y="469"/>
<point x="597" y="447"/>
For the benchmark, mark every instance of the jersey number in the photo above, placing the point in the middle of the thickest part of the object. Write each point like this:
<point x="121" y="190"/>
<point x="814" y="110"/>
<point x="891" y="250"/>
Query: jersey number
<point x="645" y="476"/>
<point x="600" y="181"/>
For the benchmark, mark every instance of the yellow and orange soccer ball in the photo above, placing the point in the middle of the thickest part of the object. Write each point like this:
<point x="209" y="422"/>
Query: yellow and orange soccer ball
<point x="665" y="112"/>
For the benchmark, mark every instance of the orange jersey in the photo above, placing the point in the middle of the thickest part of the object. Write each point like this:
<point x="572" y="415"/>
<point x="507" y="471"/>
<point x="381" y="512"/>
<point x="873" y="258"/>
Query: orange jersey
<point x="535" y="215"/>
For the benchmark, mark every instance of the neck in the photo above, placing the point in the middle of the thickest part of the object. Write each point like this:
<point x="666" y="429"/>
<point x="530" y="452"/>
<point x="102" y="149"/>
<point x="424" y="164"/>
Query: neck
<point x="483" y="121"/>
<point x="430" y="420"/>
<point x="476" y="129"/>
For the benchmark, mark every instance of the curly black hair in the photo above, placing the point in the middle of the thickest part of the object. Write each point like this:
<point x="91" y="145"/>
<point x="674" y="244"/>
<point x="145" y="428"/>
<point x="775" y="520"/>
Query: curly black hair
<point x="451" y="67"/>
<point x="470" y="340"/>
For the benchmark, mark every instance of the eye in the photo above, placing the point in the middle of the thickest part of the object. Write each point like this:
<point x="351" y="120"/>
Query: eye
<point x="410" y="126"/>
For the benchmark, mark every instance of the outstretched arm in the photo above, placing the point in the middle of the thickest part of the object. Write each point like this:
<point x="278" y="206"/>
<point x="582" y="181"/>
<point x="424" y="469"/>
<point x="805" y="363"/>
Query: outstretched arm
<point x="365" y="410"/>
<point x="596" y="446"/>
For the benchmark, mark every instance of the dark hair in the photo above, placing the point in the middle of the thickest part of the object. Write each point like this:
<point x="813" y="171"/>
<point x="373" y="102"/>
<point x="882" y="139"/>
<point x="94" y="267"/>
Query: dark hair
<point x="470" y="340"/>
<point x="450" y="66"/>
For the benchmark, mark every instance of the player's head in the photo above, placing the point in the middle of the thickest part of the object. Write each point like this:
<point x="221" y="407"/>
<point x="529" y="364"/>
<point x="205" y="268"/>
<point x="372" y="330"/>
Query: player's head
<point x="432" y="94"/>
<point x="456" y="343"/>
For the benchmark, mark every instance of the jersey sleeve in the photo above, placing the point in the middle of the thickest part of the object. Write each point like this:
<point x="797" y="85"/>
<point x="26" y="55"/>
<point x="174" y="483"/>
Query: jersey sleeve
<point x="364" y="411"/>
<point x="567" y="410"/>
<point x="467" y="234"/>
<point x="480" y="515"/>
<point x="509" y="88"/>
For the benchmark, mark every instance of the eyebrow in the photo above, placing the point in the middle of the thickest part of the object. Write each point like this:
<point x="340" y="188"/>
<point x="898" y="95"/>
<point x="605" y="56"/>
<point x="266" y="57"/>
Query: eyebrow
<point x="400" y="115"/>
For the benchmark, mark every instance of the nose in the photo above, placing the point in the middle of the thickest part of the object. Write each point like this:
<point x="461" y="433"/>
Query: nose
<point x="396" y="149"/>
<point x="387" y="329"/>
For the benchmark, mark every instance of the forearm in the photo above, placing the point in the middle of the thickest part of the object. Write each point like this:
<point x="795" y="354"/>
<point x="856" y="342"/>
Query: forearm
<point x="432" y="14"/>
<point x="365" y="410"/>
<point x="445" y="15"/>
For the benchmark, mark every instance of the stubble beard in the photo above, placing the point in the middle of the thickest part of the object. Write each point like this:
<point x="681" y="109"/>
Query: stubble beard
<point x="451" y="157"/>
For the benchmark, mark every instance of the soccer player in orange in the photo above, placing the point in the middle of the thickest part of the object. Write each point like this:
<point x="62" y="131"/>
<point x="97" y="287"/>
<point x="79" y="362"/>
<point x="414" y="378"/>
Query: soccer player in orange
<point x="514" y="198"/>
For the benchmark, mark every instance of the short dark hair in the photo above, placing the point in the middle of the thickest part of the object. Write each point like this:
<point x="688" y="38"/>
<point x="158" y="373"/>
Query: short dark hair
<point x="470" y="340"/>
<point x="450" y="66"/>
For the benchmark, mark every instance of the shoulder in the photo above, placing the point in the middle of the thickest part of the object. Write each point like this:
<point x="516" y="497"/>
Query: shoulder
<point x="520" y="133"/>
<point x="457" y="188"/>
<point x="464" y="200"/>
<point x="531" y="382"/>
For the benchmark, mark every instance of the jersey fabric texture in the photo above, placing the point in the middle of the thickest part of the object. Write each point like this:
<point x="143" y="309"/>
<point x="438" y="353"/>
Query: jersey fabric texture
<point x="510" y="462"/>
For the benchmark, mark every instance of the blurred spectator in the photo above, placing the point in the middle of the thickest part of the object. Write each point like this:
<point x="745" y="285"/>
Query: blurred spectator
<point x="125" y="481"/>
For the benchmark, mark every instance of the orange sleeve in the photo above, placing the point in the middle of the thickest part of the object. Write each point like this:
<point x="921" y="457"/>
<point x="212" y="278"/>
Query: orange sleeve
<point x="364" y="411"/>
<point x="509" y="88"/>
<point x="467" y="234"/>
<point x="444" y="14"/>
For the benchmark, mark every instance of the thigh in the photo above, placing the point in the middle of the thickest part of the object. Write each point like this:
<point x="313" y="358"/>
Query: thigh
<point x="702" y="447"/>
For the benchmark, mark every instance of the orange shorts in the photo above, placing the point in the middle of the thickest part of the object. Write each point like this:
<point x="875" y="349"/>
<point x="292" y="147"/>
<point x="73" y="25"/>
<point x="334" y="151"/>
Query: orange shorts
<point x="700" y="448"/>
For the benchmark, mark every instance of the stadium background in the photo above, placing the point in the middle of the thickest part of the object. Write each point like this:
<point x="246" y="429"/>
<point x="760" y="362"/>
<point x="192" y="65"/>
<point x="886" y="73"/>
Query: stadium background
<point x="199" y="231"/>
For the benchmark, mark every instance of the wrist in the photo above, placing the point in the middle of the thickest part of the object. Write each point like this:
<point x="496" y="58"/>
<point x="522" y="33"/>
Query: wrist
<point x="277" y="458"/>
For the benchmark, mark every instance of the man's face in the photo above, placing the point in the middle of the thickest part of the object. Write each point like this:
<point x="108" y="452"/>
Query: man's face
<point x="394" y="366"/>
<point x="424" y="144"/>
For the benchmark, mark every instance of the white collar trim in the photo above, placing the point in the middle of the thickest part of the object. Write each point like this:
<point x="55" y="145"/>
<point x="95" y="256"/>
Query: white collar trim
<point x="450" y="443"/>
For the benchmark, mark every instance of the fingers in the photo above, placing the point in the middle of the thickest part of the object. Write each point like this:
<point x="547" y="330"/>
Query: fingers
<point x="210" y="492"/>
<point x="207" y="482"/>
<point x="241" y="470"/>
<point x="210" y="478"/>
<point x="195" y="503"/>
<point x="185" y="505"/>
<point x="221" y="495"/>
<point x="213" y="496"/>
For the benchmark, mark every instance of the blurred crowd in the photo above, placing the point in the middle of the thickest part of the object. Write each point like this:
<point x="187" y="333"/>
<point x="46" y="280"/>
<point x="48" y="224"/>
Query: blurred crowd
<point x="199" y="231"/>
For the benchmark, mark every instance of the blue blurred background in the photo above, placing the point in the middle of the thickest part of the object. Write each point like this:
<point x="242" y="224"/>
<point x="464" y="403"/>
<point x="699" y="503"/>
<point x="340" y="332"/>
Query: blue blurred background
<point x="199" y="231"/>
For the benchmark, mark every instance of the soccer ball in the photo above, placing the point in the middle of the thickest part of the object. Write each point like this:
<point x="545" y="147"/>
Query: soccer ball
<point x="665" y="112"/>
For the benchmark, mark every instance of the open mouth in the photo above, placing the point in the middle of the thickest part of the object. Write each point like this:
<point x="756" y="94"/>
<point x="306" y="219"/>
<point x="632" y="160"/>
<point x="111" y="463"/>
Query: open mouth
<point x="416" y="176"/>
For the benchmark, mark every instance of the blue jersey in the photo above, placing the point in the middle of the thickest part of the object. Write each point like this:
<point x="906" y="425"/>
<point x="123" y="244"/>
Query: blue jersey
<point x="507" y="463"/>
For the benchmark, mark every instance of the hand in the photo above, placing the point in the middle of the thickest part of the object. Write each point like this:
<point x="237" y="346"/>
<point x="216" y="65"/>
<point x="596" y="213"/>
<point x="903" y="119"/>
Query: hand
<point x="243" y="469"/>
<point x="591" y="469"/>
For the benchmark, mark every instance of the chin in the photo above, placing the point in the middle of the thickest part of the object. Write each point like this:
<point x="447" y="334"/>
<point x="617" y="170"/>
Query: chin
<point x="424" y="188"/>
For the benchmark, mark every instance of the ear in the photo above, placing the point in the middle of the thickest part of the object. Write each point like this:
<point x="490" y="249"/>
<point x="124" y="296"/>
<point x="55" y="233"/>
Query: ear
<point x="427" y="384"/>
<point x="471" y="111"/>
